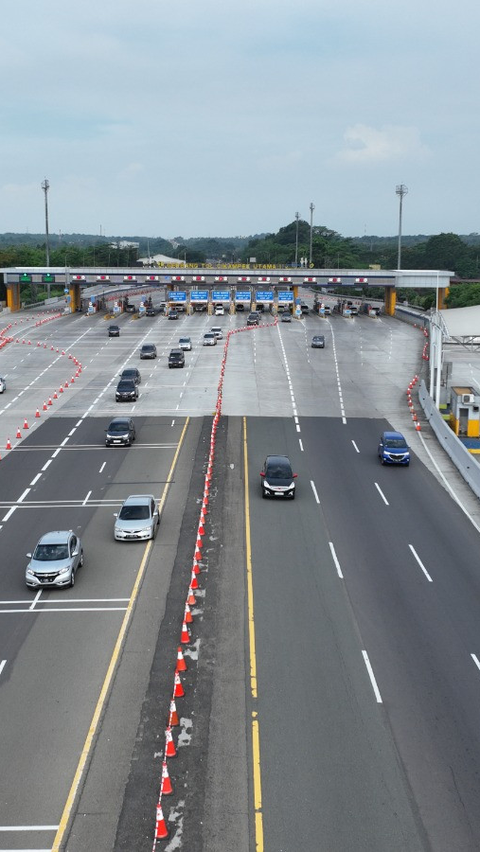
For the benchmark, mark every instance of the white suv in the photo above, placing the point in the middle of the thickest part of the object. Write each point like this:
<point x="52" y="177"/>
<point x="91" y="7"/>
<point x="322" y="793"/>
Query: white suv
<point x="219" y="310"/>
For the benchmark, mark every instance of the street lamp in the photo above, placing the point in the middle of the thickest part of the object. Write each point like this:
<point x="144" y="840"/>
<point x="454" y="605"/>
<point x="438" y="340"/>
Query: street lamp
<point x="46" y="187"/>
<point x="297" y="217"/>
<point x="312" y="208"/>
<point x="401" y="190"/>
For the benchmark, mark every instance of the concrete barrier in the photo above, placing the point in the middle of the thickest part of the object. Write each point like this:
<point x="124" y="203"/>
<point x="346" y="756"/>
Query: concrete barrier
<point x="464" y="461"/>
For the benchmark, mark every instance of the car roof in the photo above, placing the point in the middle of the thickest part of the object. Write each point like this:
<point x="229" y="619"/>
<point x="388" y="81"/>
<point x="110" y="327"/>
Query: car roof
<point x="208" y="334"/>
<point x="147" y="345"/>
<point x="139" y="499"/>
<point x="129" y="370"/>
<point x="183" y="338"/>
<point x="119" y="420"/>
<point x="277" y="460"/>
<point x="55" y="537"/>
<point x="126" y="380"/>
<point x="176" y="352"/>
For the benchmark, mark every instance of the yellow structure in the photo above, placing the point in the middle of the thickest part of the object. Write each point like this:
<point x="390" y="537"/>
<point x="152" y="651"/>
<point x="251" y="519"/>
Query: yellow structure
<point x="465" y="411"/>
<point x="390" y="301"/>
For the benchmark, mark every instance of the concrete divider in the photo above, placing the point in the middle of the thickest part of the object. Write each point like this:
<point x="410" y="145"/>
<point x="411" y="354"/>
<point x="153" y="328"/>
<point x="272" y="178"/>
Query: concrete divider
<point x="464" y="461"/>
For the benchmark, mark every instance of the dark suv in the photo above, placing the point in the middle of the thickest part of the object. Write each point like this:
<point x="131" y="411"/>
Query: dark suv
<point x="121" y="432"/>
<point x="127" y="391"/>
<point x="131" y="373"/>
<point x="277" y="479"/>
<point x="252" y="318"/>
<point x="176" y="358"/>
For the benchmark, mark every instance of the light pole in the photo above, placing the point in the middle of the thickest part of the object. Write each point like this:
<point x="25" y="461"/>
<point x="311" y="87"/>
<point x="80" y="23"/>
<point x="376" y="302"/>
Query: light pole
<point x="46" y="187"/>
<point x="312" y="208"/>
<point x="297" y="217"/>
<point x="401" y="190"/>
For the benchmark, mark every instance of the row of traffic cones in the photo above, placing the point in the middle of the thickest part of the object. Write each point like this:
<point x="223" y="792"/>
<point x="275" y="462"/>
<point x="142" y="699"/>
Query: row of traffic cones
<point x="411" y="405"/>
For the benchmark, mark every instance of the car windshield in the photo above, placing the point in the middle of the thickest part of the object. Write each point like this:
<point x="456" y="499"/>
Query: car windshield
<point x="277" y="470"/>
<point x="134" y="513"/>
<point x="50" y="552"/>
<point x="129" y="374"/>
<point x="395" y="443"/>
<point x="148" y="347"/>
<point x="118" y="427"/>
<point x="126" y="383"/>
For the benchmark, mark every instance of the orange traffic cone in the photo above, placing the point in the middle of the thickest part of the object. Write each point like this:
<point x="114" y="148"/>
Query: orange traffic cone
<point x="185" y="637"/>
<point x="191" y="597"/>
<point x="181" y="664"/>
<point x="173" y="715"/>
<point x="196" y="567"/>
<point x="161" y="830"/>
<point x="194" y="581"/>
<point x="9" y="445"/>
<point x="166" y="789"/>
<point x="50" y="400"/>
<point x="178" y="690"/>
<point x="25" y="424"/>
<point x="37" y="413"/>
<point x="60" y="390"/>
<point x="19" y="434"/>
<point x="55" y="395"/>
<point x="188" y="617"/>
<point x="170" y="750"/>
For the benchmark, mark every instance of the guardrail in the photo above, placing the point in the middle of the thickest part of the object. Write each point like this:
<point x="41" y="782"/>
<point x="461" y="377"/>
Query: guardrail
<point x="463" y="460"/>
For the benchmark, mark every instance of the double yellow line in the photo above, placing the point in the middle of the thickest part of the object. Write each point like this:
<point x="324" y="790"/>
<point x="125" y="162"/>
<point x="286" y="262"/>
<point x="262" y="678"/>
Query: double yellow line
<point x="257" y="780"/>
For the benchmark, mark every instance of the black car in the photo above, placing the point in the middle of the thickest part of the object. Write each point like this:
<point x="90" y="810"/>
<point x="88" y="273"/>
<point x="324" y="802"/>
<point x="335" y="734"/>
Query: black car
<point x="176" y="358"/>
<point x="127" y="391"/>
<point x="252" y="318"/>
<point x="318" y="341"/>
<point x="131" y="373"/>
<point x="286" y="316"/>
<point x="173" y="315"/>
<point x="130" y="309"/>
<point x="277" y="479"/>
<point x="150" y="311"/>
<point x="121" y="432"/>
<point x="113" y="331"/>
<point x="148" y="350"/>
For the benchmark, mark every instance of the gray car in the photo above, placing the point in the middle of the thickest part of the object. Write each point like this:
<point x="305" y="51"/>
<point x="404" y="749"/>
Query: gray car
<point x="55" y="560"/>
<point x="138" y="519"/>
<point x="3" y="384"/>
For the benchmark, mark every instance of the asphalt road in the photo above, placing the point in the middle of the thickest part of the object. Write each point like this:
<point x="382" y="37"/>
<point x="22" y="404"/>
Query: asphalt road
<point x="365" y="598"/>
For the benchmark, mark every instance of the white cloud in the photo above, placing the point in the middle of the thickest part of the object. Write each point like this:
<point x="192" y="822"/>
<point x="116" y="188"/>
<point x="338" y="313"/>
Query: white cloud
<point x="390" y="143"/>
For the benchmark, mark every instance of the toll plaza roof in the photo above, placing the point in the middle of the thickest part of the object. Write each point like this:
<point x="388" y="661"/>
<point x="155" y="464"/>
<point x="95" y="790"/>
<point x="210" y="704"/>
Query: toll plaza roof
<point x="461" y="322"/>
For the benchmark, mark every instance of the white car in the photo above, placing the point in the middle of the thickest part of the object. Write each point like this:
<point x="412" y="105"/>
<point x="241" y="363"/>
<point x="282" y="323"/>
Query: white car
<point x="138" y="519"/>
<point x="185" y="343"/>
<point x="217" y="331"/>
<point x="219" y="310"/>
<point x="209" y="339"/>
<point x="3" y="384"/>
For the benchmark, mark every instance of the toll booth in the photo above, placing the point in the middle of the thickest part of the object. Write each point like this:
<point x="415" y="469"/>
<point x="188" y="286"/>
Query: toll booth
<point x="465" y="411"/>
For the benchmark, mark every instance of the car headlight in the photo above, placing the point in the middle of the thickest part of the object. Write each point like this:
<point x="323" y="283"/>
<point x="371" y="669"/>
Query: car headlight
<point x="29" y="572"/>
<point x="65" y="570"/>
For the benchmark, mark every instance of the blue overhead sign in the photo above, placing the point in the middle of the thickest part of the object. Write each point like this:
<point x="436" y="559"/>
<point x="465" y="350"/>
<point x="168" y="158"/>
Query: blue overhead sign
<point x="243" y="295"/>
<point x="285" y="296"/>
<point x="264" y="296"/>
<point x="177" y="296"/>
<point x="199" y="295"/>
<point x="221" y="296"/>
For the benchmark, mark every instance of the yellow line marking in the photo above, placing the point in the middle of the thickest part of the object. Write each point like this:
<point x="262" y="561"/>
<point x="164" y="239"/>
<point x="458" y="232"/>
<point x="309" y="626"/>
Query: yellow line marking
<point x="111" y="668"/>
<point x="257" y="777"/>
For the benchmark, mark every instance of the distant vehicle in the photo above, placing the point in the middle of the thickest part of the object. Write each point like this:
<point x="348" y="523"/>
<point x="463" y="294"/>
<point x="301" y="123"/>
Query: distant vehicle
<point x="252" y="318"/>
<point x="393" y="449"/>
<point x="3" y="384"/>
<point x="130" y="309"/>
<point x="209" y="339"/>
<point x="327" y="310"/>
<point x="304" y="309"/>
<point x="277" y="479"/>
<point x="138" y="519"/>
<point x="173" y="315"/>
<point x="127" y="391"/>
<point x="217" y="331"/>
<point x="286" y="316"/>
<point x="148" y="350"/>
<point x="150" y="311"/>
<point x="120" y="432"/>
<point x="239" y="306"/>
<point x="176" y="358"/>
<point x="185" y="343"/>
<point x="219" y="310"/>
<point x="55" y="560"/>
<point x="318" y="341"/>
<point x="132" y="373"/>
<point x="113" y="331"/>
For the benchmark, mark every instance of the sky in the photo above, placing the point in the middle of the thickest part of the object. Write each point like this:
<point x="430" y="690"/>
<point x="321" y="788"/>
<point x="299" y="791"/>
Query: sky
<point x="220" y="118"/>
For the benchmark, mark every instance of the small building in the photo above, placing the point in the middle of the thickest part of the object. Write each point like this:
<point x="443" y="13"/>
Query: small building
<point x="465" y="411"/>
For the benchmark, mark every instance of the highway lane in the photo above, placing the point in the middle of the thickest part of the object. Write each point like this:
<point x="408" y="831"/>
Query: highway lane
<point x="270" y="372"/>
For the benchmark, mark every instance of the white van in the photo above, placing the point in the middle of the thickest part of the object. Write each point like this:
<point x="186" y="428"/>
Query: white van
<point x="219" y="310"/>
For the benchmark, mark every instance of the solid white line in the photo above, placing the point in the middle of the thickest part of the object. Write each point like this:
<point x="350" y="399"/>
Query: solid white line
<point x="28" y="827"/>
<point x="73" y="600"/>
<point x="35" y="480"/>
<point x="382" y="495"/>
<point x="422" y="566"/>
<point x="9" y="514"/>
<point x="86" y="499"/>
<point x="475" y="660"/>
<point x="73" y="609"/>
<point x="317" y="498"/>
<point x="372" y="678"/>
<point x="334" y="557"/>
<point x="355" y="446"/>
<point x="103" y="465"/>
<point x="447" y="484"/>
<point x="3" y="663"/>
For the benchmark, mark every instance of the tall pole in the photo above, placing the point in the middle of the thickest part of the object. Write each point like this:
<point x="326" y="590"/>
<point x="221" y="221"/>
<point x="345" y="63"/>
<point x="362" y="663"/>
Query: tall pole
<point x="401" y="190"/>
<point x="297" y="217"/>
<point x="312" y="208"/>
<point x="46" y="187"/>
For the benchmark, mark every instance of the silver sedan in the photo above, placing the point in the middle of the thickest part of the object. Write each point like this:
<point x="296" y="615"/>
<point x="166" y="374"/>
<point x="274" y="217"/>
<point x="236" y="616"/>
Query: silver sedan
<point x="138" y="519"/>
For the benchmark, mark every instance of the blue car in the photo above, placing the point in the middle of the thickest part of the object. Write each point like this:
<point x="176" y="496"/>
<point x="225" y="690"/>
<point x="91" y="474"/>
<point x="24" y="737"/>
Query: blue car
<point x="393" y="449"/>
